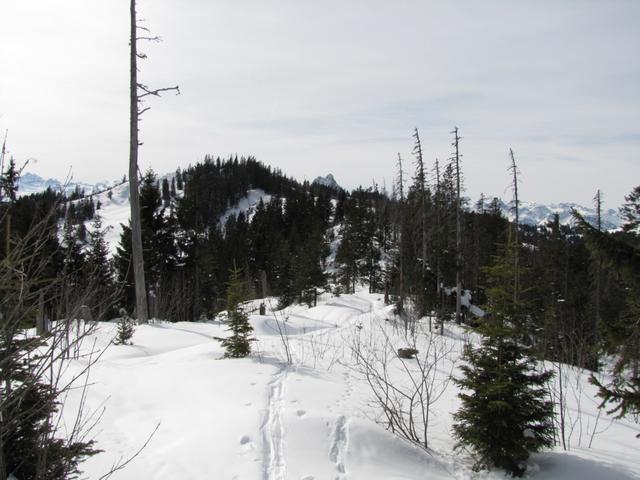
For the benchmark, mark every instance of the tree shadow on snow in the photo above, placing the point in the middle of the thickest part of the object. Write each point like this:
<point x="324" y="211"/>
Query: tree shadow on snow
<point x="297" y="369"/>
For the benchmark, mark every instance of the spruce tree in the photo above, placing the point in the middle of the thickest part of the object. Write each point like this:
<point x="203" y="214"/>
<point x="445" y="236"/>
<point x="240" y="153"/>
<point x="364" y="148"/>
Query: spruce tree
<point x="505" y="414"/>
<point x="238" y="345"/>
<point x="622" y="394"/>
<point x="126" y="329"/>
<point x="630" y="211"/>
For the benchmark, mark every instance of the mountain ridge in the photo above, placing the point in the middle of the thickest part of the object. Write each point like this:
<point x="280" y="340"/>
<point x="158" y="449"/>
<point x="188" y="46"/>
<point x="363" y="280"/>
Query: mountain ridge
<point x="531" y="213"/>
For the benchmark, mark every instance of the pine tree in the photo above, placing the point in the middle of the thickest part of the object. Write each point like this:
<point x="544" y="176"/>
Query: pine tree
<point x="238" y="345"/>
<point x="98" y="253"/>
<point x="623" y="392"/>
<point x="630" y="211"/>
<point x="126" y="328"/>
<point x="505" y="414"/>
<point x="29" y="405"/>
<point x="100" y="268"/>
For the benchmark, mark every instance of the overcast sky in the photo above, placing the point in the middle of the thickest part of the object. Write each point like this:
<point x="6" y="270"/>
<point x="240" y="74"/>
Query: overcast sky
<point x="318" y="86"/>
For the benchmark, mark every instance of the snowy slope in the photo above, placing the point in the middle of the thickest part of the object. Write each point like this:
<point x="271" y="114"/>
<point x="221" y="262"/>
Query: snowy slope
<point x="261" y="418"/>
<point x="115" y="212"/>
<point x="246" y="205"/>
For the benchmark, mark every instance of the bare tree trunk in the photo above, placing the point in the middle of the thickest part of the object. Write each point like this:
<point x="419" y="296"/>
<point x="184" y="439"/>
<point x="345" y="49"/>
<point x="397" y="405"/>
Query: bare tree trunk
<point x="136" y="229"/>
<point x="458" y="230"/>
<point x="598" y="200"/>
<point x="400" y="249"/>
<point x="421" y="180"/>
<point x="516" y="252"/>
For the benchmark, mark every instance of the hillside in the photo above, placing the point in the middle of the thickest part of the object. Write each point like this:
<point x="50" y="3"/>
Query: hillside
<point x="312" y="419"/>
<point x="115" y="210"/>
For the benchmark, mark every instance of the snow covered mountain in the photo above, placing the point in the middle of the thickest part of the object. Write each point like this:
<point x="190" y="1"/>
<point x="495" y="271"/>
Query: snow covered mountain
<point x="532" y="213"/>
<point x="327" y="181"/>
<point x="30" y="183"/>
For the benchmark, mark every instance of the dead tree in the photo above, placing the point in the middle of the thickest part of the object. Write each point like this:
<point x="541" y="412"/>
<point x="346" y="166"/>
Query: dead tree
<point x="598" y="202"/>
<point x="421" y="183"/>
<point x="439" y="247"/>
<point x="400" y="189"/>
<point x="138" y="92"/>
<point x="456" y="160"/>
<point x="516" y="227"/>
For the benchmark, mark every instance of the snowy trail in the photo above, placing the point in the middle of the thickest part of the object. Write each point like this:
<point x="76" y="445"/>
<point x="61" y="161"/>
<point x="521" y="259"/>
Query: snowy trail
<point x="272" y="421"/>
<point x="339" y="443"/>
<point x="272" y="429"/>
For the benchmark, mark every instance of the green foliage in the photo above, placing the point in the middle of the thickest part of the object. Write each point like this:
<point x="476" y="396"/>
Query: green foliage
<point x="623" y="393"/>
<point x="359" y="252"/>
<point x="30" y="407"/>
<point x="238" y="344"/>
<point x="31" y="444"/>
<point x="630" y="211"/>
<point x="505" y="414"/>
<point x="126" y="329"/>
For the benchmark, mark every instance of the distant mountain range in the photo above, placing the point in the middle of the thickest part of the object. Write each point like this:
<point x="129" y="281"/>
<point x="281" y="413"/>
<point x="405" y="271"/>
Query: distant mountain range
<point x="530" y="213"/>
<point x="31" y="183"/>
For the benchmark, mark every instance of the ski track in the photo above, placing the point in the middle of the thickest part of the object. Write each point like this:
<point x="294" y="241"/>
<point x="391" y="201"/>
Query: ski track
<point x="274" y="465"/>
<point x="272" y="428"/>
<point x="340" y="439"/>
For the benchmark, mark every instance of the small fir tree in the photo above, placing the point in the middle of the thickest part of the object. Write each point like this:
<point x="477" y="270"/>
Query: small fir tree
<point x="126" y="328"/>
<point x="505" y="413"/>
<point x="238" y="345"/>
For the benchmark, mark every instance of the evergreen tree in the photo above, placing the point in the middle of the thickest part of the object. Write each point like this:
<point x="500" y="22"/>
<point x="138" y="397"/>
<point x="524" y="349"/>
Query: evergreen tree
<point x="126" y="328"/>
<point x="623" y="392"/>
<point x="100" y="269"/>
<point x="630" y="211"/>
<point x="238" y="345"/>
<point x="9" y="182"/>
<point x="505" y="414"/>
<point x="29" y="407"/>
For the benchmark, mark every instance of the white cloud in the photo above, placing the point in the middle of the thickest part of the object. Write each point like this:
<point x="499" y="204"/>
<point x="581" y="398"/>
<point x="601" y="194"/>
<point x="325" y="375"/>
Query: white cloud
<point x="335" y="86"/>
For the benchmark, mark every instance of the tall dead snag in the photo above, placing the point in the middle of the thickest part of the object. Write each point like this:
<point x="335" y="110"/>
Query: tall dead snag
<point x="598" y="203"/>
<point x="137" y="93"/>
<point x="456" y="159"/>
<point x="516" y="228"/>
<point x="400" y="190"/>
<point x="421" y="184"/>
<point x="439" y="248"/>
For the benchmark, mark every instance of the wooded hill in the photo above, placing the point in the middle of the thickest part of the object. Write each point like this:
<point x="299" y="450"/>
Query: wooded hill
<point x="304" y="237"/>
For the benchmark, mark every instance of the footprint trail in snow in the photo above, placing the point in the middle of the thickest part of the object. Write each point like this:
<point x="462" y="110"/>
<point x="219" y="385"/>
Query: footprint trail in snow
<point x="274" y="465"/>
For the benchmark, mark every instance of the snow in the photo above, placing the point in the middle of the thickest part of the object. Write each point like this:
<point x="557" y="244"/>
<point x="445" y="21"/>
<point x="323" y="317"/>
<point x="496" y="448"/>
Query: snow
<point x="327" y="181"/>
<point x="538" y="214"/>
<point x="246" y="205"/>
<point x="261" y="418"/>
<point x="115" y="212"/>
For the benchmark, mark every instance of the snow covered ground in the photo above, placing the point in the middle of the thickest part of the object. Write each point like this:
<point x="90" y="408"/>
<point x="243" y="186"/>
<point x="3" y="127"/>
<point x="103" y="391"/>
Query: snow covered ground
<point x="313" y="419"/>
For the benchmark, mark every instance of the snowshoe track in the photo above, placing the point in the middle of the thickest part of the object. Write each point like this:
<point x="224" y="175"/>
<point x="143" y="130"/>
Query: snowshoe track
<point x="272" y="428"/>
<point x="339" y="441"/>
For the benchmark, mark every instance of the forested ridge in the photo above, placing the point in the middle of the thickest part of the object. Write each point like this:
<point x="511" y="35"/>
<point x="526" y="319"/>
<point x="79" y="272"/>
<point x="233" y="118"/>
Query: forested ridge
<point x="283" y="249"/>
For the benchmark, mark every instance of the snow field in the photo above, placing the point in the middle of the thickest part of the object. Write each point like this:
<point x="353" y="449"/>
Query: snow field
<point x="260" y="418"/>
